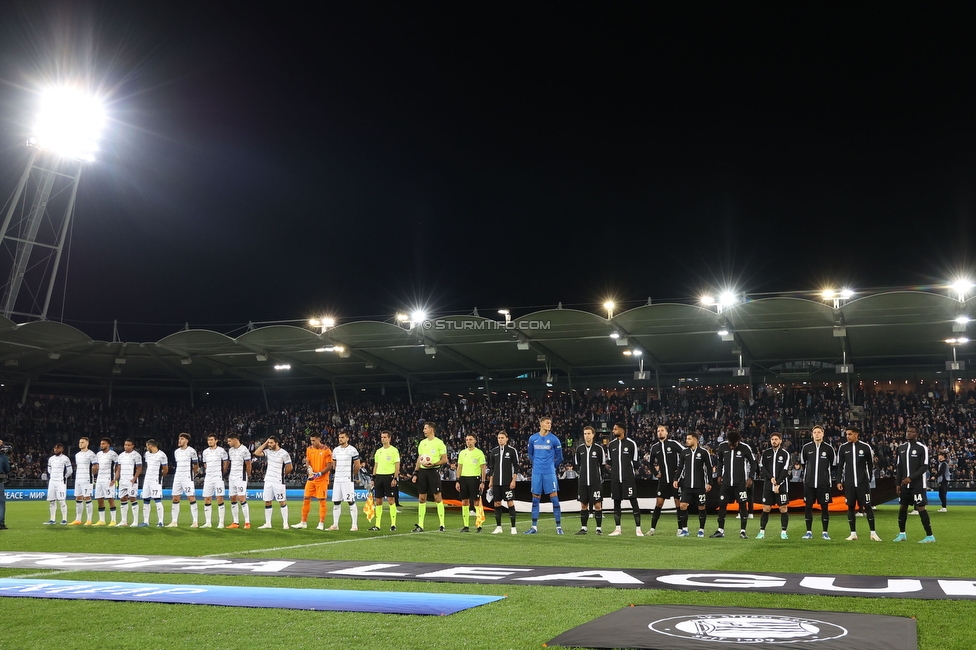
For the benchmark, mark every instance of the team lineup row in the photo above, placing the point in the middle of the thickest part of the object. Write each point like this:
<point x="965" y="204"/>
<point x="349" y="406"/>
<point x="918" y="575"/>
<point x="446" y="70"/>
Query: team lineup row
<point x="685" y="473"/>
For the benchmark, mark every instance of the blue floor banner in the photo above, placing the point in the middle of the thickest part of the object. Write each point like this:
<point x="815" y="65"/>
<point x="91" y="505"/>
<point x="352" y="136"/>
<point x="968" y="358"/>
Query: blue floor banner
<point x="323" y="600"/>
<point x="691" y="627"/>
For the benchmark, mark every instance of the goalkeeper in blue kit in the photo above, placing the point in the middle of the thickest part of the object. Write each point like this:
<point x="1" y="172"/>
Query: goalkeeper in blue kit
<point x="545" y="454"/>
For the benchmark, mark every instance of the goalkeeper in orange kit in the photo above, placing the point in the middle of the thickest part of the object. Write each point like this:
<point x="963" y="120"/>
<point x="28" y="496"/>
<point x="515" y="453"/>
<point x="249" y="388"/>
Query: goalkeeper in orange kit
<point x="318" y="458"/>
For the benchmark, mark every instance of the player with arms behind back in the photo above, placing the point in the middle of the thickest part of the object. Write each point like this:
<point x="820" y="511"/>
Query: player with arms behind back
<point x="240" y="473"/>
<point x="58" y="471"/>
<point x="127" y="474"/>
<point x="105" y="461"/>
<point x="186" y="460"/>
<point x="910" y="467"/>
<point x="318" y="461"/>
<point x="386" y="469"/>
<point x="215" y="462"/>
<point x="84" y="460"/>
<point x="545" y="454"/>
<point x="152" y="486"/>
<point x="590" y="458"/>
<point x="501" y="480"/>
<point x="345" y="463"/>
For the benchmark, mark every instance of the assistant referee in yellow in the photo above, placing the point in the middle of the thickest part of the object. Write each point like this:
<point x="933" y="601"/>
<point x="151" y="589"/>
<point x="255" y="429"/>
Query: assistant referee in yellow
<point x="471" y="478"/>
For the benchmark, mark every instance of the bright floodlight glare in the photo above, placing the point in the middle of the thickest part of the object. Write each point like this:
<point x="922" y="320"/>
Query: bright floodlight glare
<point x="328" y="322"/>
<point x="627" y="353"/>
<point x="503" y="312"/>
<point x="339" y="348"/>
<point x="723" y="332"/>
<point x="418" y="316"/>
<point x="846" y="294"/>
<point x="962" y="339"/>
<point x="403" y="318"/>
<point x="608" y="305"/>
<point x="314" y="322"/>
<point x="637" y="353"/>
<point x="282" y="366"/>
<point x="950" y="341"/>
<point x="615" y="335"/>
<point x="728" y="298"/>
<point x="707" y="300"/>
<point x="828" y="294"/>
<point x="69" y="124"/>
<point x="962" y="286"/>
<point x="962" y="320"/>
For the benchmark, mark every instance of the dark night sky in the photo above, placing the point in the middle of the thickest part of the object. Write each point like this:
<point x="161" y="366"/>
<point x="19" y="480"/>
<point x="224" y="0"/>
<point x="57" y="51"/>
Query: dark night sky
<point x="272" y="163"/>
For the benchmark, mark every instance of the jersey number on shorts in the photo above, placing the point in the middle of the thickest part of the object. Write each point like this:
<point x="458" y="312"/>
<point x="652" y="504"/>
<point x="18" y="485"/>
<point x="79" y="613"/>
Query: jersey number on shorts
<point x="701" y="499"/>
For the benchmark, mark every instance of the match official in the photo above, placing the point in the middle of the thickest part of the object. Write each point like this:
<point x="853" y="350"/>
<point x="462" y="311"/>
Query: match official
<point x="386" y="469"/>
<point x="471" y="478"/>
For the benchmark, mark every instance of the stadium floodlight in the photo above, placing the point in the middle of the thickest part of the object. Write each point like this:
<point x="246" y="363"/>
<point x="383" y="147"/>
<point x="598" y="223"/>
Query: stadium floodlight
<point x="728" y="299"/>
<point x="609" y="305"/>
<point x="282" y="366"/>
<point x="314" y="322"/>
<point x="962" y="320"/>
<point x="402" y="318"/>
<point x="503" y="312"/>
<point x="418" y="316"/>
<point x="638" y="353"/>
<point x="69" y="124"/>
<point x="961" y="287"/>
<point x="723" y="332"/>
<point x="846" y="294"/>
<point x="627" y="353"/>
<point x="328" y="322"/>
<point x="615" y="335"/>
<point x="828" y="294"/>
<point x="707" y="301"/>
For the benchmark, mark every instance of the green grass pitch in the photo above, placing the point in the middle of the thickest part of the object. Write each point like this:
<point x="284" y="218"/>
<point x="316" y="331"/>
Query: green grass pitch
<point x="527" y="618"/>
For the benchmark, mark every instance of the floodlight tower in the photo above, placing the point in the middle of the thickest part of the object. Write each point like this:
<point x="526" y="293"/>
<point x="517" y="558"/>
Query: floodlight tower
<point x="64" y="139"/>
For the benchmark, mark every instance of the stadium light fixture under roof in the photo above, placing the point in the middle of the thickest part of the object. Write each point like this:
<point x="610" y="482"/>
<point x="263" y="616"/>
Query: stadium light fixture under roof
<point x="707" y="301"/>
<point x="961" y="287"/>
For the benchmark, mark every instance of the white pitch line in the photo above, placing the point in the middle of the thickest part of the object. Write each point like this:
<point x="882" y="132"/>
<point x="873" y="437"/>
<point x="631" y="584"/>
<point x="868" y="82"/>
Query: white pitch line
<point x="286" y="548"/>
<point x="42" y="574"/>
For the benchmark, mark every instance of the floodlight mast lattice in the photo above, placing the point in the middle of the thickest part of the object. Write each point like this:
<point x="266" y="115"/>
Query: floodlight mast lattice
<point x="64" y="139"/>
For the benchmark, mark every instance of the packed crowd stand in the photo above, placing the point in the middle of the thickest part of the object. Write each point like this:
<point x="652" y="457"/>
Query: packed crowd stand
<point x="946" y="423"/>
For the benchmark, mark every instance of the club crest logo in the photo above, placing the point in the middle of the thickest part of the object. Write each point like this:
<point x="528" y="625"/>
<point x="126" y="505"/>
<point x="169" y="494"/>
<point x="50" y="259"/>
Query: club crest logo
<point x="748" y="628"/>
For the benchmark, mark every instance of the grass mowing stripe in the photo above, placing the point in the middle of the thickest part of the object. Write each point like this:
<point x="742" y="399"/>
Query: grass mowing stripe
<point x="275" y="549"/>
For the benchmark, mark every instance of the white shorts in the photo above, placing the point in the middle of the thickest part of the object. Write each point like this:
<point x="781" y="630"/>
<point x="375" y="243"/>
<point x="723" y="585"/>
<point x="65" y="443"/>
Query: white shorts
<point x="104" y="491"/>
<point x="213" y="488"/>
<point x="83" y="490"/>
<point x="343" y="491"/>
<point x="274" y="492"/>
<point x="152" y="490"/>
<point x="127" y="489"/>
<point x="57" y="492"/>
<point x="183" y="486"/>
<point x="237" y="488"/>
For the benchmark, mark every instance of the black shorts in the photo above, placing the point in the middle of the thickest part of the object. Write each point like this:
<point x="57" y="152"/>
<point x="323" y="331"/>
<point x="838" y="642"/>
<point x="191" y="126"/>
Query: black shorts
<point x="666" y="490"/>
<point x="428" y="482"/>
<point x="590" y="494"/>
<point x="692" y="495"/>
<point x="819" y="495"/>
<point x="729" y="493"/>
<point x="383" y="486"/>
<point x="770" y="498"/>
<point x="858" y="495"/>
<point x="913" y="497"/>
<point x="624" y="490"/>
<point x="470" y="487"/>
<point x="499" y="495"/>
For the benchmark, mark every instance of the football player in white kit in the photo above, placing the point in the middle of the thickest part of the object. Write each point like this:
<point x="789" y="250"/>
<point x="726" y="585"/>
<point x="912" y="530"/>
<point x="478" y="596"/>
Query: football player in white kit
<point x="279" y="464"/>
<point x="345" y="463"/>
<point x="127" y="474"/>
<point x="58" y="471"/>
<point x="105" y="461"/>
<point x="84" y="460"/>
<point x="152" y="485"/>
<point x="240" y="472"/>
<point x="186" y="461"/>
<point x="215" y="463"/>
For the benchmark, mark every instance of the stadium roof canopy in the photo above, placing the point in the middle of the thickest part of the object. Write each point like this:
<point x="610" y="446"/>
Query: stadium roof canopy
<point x="779" y="336"/>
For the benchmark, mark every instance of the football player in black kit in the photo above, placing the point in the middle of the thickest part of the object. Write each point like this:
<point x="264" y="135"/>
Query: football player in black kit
<point x="590" y="459"/>
<point x="501" y="469"/>
<point x="623" y="480"/>
<point x="694" y="475"/>
<point x="818" y="460"/>
<point x="855" y="461"/>
<point x="912" y="461"/>
<point x="735" y="463"/>
<point x="664" y="454"/>
<point x="774" y="467"/>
